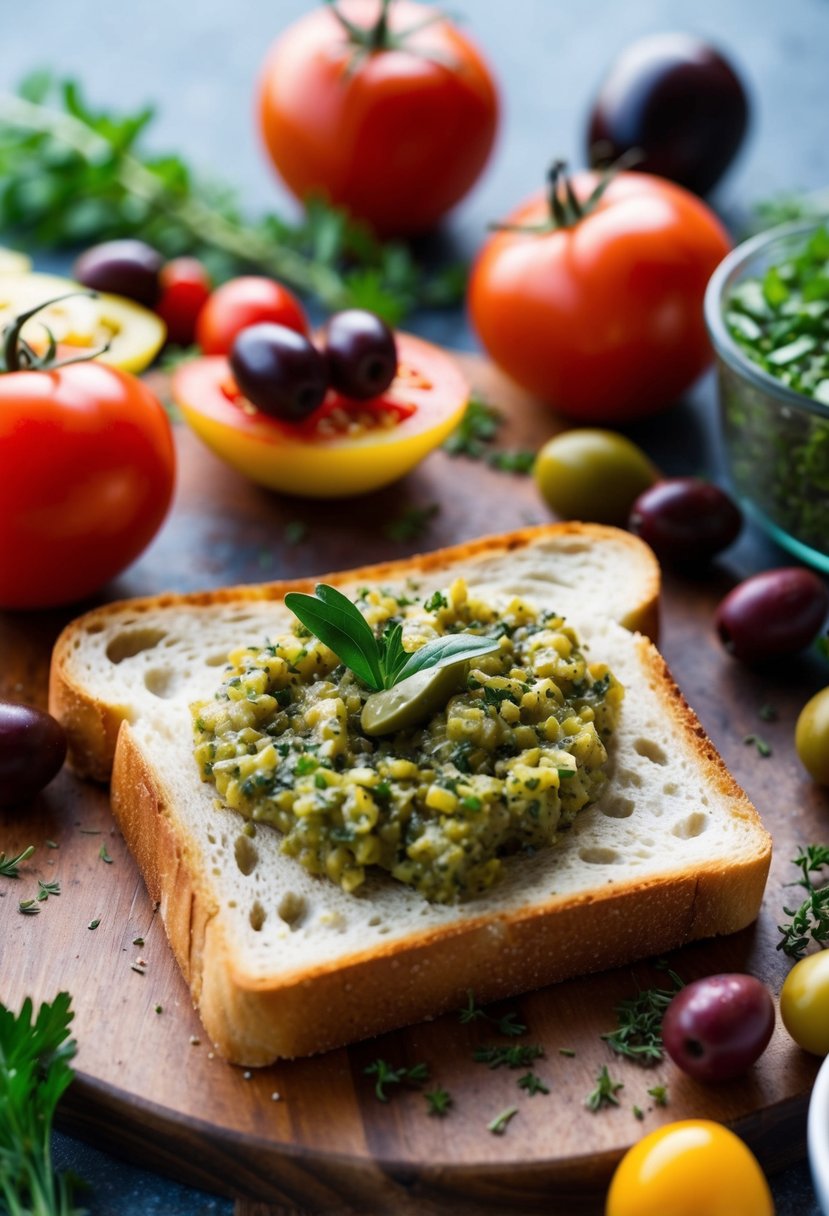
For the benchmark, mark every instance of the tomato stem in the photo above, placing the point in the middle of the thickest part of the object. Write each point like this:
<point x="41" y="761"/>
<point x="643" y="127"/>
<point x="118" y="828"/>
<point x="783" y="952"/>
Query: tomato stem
<point x="20" y="356"/>
<point x="566" y="210"/>
<point x="367" y="39"/>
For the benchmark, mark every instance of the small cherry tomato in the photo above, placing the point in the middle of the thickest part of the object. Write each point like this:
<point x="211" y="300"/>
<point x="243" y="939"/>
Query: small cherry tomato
<point x="717" y="1027"/>
<point x="346" y="446"/>
<point x="592" y="475"/>
<point x="385" y="109"/>
<point x="88" y="469"/>
<point x="772" y="614"/>
<point x="242" y="302"/>
<point x="32" y="749"/>
<point x="811" y="737"/>
<point x="593" y="301"/>
<point x="185" y="287"/>
<point x="804" y="1003"/>
<point x="692" y="1168"/>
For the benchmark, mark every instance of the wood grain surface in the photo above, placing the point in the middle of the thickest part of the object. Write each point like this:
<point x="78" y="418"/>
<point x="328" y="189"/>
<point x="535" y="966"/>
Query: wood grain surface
<point x="310" y="1136"/>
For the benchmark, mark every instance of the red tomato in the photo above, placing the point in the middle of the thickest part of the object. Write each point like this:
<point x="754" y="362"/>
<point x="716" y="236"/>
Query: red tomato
<point x="185" y="286"/>
<point x="602" y="319"/>
<point x="345" y="447"/>
<point x="397" y="133"/>
<point x="88" y="472"/>
<point x="243" y="302"/>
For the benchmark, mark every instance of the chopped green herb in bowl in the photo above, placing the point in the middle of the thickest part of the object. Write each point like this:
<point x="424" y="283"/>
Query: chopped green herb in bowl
<point x="767" y="309"/>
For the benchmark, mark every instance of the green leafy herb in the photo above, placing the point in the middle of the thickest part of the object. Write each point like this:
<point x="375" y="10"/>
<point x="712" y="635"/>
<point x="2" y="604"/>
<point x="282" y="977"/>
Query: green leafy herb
<point x="519" y="1055"/>
<point x="533" y="1084"/>
<point x="500" y="1123"/>
<point x="438" y="1101"/>
<point x="476" y="431"/>
<point x="93" y="924"/>
<point x="71" y="175"/>
<point x="659" y="1093"/>
<point x="567" y="1051"/>
<point x="387" y="1076"/>
<point x="436" y="601"/>
<point x="378" y="662"/>
<point x="34" y="1073"/>
<point x="412" y="524"/>
<point x="763" y="748"/>
<point x="104" y="855"/>
<point x="810" y="921"/>
<point x="767" y="713"/>
<point x="508" y="1024"/>
<point x="9" y="865"/>
<point x="638" y="1113"/>
<point x="45" y="889"/>
<point x="138" y="941"/>
<point x="605" y="1092"/>
<point x="28" y="907"/>
<point x="518" y="460"/>
<point x="639" y="1032"/>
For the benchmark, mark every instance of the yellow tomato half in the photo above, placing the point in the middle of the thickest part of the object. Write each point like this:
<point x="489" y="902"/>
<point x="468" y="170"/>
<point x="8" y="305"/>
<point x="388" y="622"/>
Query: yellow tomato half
<point x="344" y="448"/>
<point x="692" y="1168"/>
<point x="83" y="323"/>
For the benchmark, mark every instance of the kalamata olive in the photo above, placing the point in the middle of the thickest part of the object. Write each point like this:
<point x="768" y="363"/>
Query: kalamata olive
<point x="684" y="520"/>
<point x="592" y="475"/>
<point x="772" y="614"/>
<point x="279" y="371"/>
<point x="715" y="1028"/>
<point x="678" y="102"/>
<point x="32" y="749"/>
<point x="361" y="353"/>
<point x="123" y="268"/>
<point x="811" y="737"/>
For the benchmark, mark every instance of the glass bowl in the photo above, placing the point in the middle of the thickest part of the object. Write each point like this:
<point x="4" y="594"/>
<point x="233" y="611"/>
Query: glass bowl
<point x="776" y="439"/>
<point x="819" y="1136"/>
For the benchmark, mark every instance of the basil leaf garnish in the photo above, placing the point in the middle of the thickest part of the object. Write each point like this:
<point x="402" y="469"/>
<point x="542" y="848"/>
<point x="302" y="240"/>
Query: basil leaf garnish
<point x="450" y="649"/>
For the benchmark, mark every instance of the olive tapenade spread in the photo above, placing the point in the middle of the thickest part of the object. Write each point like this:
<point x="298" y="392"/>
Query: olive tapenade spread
<point x="517" y="751"/>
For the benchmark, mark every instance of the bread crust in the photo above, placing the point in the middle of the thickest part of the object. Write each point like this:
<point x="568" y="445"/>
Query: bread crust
<point x="92" y="725"/>
<point x="254" y="1021"/>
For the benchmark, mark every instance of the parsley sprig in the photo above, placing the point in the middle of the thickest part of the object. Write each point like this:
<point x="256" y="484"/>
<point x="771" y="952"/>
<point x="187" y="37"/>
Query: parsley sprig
<point x="810" y="920"/>
<point x="378" y="662"/>
<point x="71" y="175"/>
<point x="639" y="1032"/>
<point x="34" y="1073"/>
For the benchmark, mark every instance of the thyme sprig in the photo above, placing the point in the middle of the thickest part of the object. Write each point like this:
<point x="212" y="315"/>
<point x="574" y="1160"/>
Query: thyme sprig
<point x="388" y="1076"/>
<point x="518" y="1055"/>
<point x="810" y="920"/>
<point x="9" y="865"/>
<point x="638" y="1035"/>
<point x="71" y="175"/>
<point x="508" y="1024"/>
<point x="605" y="1092"/>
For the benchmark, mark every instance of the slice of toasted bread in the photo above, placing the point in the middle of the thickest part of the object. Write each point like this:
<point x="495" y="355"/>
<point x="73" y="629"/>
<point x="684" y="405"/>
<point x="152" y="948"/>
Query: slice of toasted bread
<point x="281" y="963"/>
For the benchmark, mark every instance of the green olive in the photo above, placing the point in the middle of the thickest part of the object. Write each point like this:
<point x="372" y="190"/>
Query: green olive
<point x="411" y="701"/>
<point x="811" y="737"/>
<point x="592" y="475"/>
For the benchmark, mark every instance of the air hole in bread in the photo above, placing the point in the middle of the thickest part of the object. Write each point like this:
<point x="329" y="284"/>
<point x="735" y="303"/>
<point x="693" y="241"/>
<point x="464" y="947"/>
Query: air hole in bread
<point x="245" y="853"/>
<point x="256" y="916"/>
<point x="161" y="682"/>
<point x="693" y="825"/>
<point x="599" y="857"/>
<point x="617" y="807"/>
<point x="375" y="920"/>
<point x="670" y="788"/>
<point x="650" y="750"/>
<point x="629" y="777"/>
<point x="128" y="644"/>
<point x="95" y="627"/>
<point x="292" y="908"/>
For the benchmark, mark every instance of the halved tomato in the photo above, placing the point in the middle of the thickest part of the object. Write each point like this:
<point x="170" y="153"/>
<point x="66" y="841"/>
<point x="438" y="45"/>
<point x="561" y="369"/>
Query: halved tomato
<point x="83" y="323"/>
<point x="345" y="447"/>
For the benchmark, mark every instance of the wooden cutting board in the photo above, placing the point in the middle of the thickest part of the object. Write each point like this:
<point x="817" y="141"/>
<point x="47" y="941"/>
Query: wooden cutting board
<point x="311" y="1136"/>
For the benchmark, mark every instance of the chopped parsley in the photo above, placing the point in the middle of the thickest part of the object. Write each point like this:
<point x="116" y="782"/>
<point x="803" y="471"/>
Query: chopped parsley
<point x="605" y="1092"/>
<point x="533" y="1084"/>
<point x="763" y="748"/>
<point x="388" y="1076"/>
<point x="438" y="1101"/>
<point x="659" y="1093"/>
